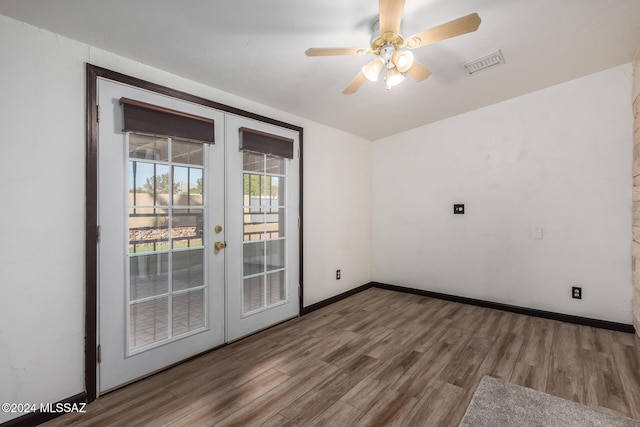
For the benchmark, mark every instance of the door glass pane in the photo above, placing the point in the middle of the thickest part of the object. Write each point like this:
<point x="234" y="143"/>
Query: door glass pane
<point x="275" y="224"/>
<point x="191" y="153"/>
<point x="275" y="287"/>
<point x="187" y="186"/>
<point x="149" y="275"/>
<point x="254" y="188"/>
<point x="148" y="148"/>
<point x="253" y="162"/>
<point x="140" y="183"/>
<point x="275" y="254"/>
<point x="275" y="165"/>
<point x="148" y="184"/>
<point x="148" y="322"/>
<point x="188" y="311"/>
<point x="253" y="258"/>
<point x="253" y="293"/>
<point x="254" y="226"/>
<point x="148" y="230"/>
<point x="188" y="228"/>
<point x="188" y="269"/>
<point x="274" y="192"/>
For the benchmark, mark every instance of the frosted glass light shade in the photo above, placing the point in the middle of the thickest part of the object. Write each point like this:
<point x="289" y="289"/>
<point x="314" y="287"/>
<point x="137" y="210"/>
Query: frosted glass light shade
<point x="372" y="69"/>
<point x="403" y="60"/>
<point x="394" y="77"/>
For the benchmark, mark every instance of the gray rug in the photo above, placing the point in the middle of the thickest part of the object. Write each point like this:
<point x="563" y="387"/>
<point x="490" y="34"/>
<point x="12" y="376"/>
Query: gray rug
<point x="499" y="403"/>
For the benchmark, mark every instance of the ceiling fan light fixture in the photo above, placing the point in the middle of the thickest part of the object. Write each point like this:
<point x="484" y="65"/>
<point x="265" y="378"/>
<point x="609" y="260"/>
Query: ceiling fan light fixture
<point x="372" y="69"/>
<point x="403" y="60"/>
<point x="388" y="43"/>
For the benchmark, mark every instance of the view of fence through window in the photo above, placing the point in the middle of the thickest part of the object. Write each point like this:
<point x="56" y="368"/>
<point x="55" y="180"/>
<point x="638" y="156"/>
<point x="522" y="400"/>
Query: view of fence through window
<point x="166" y="237"/>
<point x="264" y="211"/>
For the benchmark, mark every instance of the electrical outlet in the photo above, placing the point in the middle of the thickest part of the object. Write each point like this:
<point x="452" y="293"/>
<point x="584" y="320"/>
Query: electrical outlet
<point x="337" y="274"/>
<point x="576" y="292"/>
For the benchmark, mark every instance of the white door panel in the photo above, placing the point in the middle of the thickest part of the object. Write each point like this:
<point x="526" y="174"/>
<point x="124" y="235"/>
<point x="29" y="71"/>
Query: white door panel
<point x="263" y="234"/>
<point x="145" y="323"/>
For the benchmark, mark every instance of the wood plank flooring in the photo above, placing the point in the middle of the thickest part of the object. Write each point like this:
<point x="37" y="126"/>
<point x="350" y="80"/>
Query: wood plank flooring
<point x="379" y="358"/>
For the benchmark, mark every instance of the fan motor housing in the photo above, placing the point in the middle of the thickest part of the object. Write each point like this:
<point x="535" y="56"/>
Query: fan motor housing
<point x="378" y="41"/>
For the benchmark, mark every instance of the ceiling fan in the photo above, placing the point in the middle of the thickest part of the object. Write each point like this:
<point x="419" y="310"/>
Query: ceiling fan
<point x="391" y="48"/>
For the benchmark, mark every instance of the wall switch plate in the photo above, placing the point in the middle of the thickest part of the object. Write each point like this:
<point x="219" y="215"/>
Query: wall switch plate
<point x="337" y="274"/>
<point x="576" y="292"/>
<point x="458" y="209"/>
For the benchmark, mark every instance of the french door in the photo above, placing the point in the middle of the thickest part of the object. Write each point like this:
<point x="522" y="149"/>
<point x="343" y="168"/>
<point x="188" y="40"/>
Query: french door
<point x="161" y="283"/>
<point x="198" y="242"/>
<point x="263" y="228"/>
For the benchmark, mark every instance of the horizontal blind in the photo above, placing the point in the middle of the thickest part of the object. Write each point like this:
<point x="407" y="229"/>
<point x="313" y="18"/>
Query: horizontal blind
<point x="149" y="119"/>
<point x="265" y="143"/>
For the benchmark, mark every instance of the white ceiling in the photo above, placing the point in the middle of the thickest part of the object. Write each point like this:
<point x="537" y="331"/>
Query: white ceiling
<point x="255" y="49"/>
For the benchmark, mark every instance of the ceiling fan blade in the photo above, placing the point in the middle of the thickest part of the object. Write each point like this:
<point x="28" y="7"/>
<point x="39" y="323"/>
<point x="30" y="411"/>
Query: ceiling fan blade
<point x="355" y="84"/>
<point x="334" y="51"/>
<point x="457" y="27"/>
<point x="390" y="16"/>
<point x="418" y="72"/>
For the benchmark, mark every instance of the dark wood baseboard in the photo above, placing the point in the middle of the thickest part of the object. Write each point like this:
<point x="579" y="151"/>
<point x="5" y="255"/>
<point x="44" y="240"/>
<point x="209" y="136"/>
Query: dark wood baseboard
<point x="38" y="417"/>
<point x="586" y="321"/>
<point x="596" y="323"/>
<point x="334" y="299"/>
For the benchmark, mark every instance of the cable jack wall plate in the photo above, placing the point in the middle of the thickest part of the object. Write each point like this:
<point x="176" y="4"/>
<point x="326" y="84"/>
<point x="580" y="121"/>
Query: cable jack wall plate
<point x="576" y="292"/>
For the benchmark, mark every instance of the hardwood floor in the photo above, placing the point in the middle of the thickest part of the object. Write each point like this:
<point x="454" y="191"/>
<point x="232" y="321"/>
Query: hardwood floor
<point x="379" y="358"/>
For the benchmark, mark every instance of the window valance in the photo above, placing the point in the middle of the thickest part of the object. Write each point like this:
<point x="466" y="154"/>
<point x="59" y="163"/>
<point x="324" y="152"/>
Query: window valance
<point x="262" y="142"/>
<point x="149" y="119"/>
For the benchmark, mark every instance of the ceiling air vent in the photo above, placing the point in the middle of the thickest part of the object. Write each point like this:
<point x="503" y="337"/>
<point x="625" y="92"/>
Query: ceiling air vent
<point x="487" y="61"/>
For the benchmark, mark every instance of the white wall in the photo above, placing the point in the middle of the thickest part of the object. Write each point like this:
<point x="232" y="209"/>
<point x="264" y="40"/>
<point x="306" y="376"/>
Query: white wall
<point x="558" y="159"/>
<point x="42" y="210"/>
<point x="41" y="216"/>
<point x="337" y="213"/>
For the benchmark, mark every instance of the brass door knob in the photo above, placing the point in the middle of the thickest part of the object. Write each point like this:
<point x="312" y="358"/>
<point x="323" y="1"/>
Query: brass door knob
<point x="219" y="245"/>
